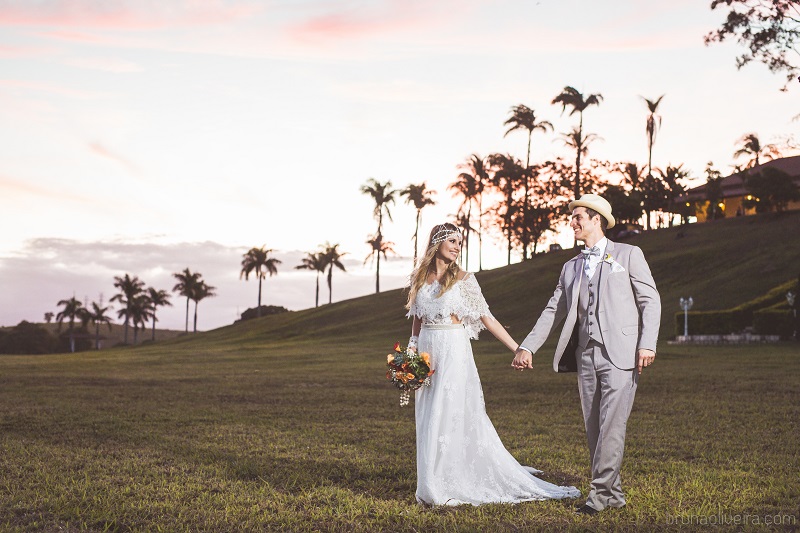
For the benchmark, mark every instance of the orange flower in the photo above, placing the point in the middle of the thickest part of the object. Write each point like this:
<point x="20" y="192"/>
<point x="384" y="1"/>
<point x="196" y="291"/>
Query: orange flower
<point x="426" y="357"/>
<point x="397" y="347"/>
<point x="389" y="359"/>
<point x="404" y="377"/>
<point x="404" y="366"/>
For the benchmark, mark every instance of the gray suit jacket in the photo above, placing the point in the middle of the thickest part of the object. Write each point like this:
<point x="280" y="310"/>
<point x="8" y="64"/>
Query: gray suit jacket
<point x="629" y="307"/>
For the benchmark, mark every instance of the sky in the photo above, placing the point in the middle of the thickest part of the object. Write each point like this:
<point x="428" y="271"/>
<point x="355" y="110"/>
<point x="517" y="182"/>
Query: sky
<point x="145" y="136"/>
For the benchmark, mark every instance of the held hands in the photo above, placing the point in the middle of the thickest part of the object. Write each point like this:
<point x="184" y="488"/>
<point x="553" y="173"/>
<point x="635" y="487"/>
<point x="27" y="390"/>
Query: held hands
<point x="522" y="359"/>
<point x="645" y="358"/>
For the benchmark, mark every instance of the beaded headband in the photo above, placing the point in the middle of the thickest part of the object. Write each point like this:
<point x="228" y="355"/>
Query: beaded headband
<point x="443" y="233"/>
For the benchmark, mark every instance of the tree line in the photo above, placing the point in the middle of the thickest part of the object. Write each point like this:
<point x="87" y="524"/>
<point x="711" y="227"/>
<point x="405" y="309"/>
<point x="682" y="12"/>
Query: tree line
<point x="518" y="203"/>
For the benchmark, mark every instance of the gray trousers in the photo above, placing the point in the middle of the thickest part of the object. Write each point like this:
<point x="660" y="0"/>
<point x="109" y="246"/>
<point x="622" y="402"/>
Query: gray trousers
<point x="606" y="399"/>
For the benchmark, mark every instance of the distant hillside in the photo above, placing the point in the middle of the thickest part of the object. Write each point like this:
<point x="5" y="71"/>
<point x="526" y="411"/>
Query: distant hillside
<point x="720" y="264"/>
<point x="116" y="334"/>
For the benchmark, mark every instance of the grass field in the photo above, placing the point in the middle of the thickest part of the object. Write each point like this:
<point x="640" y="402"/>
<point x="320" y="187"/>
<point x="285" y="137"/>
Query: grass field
<point x="286" y="423"/>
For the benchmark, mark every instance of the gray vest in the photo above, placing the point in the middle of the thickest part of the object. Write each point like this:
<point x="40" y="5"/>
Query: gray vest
<point x="588" y="327"/>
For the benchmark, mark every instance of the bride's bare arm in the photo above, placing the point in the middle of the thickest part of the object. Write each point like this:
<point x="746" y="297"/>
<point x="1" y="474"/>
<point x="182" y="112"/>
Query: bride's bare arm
<point x="416" y="325"/>
<point x="497" y="329"/>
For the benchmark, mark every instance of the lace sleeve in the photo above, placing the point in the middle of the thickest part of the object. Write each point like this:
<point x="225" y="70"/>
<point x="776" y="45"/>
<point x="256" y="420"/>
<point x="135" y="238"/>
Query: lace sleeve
<point x="413" y="311"/>
<point x="475" y="306"/>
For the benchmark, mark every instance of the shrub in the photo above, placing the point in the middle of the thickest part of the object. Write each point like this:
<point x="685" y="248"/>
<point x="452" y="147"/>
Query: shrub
<point x="774" y="322"/>
<point x="713" y="322"/>
<point x="265" y="310"/>
<point x="27" y="338"/>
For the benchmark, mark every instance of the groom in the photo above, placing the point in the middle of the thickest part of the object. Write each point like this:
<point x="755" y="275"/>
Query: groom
<point x="611" y="310"/>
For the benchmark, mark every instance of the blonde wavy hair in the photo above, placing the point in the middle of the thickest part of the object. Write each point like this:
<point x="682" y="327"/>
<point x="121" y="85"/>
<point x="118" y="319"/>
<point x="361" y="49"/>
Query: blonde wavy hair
<point x="420" y="274"/>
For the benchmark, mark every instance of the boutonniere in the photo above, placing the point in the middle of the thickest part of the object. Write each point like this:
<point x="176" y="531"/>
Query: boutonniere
<point x="615" y="267"/>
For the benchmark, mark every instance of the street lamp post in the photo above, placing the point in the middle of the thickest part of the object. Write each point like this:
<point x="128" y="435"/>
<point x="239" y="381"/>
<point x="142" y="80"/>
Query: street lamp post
<point x="791" y="298"/>
<point x="686" y="304"/>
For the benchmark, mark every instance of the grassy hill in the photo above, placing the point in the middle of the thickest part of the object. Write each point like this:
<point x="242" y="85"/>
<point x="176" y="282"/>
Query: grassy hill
<point x="720" y="264"/>
<point x="286" y="423"/>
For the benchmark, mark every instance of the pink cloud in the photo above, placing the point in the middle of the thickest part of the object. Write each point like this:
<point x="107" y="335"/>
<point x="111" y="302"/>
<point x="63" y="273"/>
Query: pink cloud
<point x="377" y="18"/>
<point x="104" y="64"/>
<point x="24" y="52"/>
<point x="13" y="187"/>
<point x="126" y="14"/>
<point x="102" y="151"/>
<point x="51" y="88"/>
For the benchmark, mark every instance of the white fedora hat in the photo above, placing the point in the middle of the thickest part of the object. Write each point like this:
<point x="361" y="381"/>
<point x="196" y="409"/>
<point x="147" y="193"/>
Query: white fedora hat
<point x="596" y="202"/>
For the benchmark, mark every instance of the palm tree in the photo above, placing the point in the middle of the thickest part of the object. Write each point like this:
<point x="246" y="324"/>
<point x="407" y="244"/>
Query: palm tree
<point x="652" y="126"/>
<point x="479" y="175"/>
<point x="201" y="292"/>
<point x="508" y="173"/>
<point x="130" y="288"/>
<point x="420" y="196"/>
<point x="524" y="118"/>
<point x="331" y="257"/>
<point x="463" y="222"/>
<point x="632" y="175"/>
<point x="138" y="311"/>
<point x="580" y="143"/>
<point x="97" y="315"/>
<point x="379" y="247"/>
<point x="187" y="281"/>
<point x="713" y="192"/>
<point x="670" y="177"/>
<point x="469" y="187"/>
<point x="315" y="262"/>
<point x="258" y="260"/>
<point x="572" y="97"/>
<point x="157" y="298"/>
<point x="383" y="195"/>
<point x="751" y="146"/>
<point x="73" y="309"/>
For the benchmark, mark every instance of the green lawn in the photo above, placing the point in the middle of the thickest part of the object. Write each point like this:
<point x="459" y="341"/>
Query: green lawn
<point x="286" y="423"/>
<point x="307" y="436"/>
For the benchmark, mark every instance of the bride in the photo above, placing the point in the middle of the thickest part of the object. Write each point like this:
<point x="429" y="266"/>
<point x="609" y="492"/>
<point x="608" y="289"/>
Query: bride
<point x="460" y="458"/>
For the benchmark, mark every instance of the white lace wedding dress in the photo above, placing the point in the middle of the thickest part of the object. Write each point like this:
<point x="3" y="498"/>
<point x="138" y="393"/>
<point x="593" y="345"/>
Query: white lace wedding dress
<point x="460" y="458"/>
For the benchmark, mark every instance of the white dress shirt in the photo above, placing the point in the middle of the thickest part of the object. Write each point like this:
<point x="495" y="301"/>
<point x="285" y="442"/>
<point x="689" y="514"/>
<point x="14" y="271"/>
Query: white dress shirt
<point x="590" y="264"/>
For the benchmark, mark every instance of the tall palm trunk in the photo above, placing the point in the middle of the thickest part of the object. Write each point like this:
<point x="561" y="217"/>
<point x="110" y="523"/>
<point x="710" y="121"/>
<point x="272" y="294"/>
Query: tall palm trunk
<point x="258" y="311"/>
<point x="380" y="240"/>
<point x="378" y="270"/>
<point x="416" y="235"/>
<point x="508" y="217"/>
<point x="480" y="232"/>
<point x="330" y="284"/>
<point x="527" y="201"/>
<point x="195" y="317"/>
<point x="71" y="340"/>
<point x="187" y="314"/>
<point x="465" y="255"/>
<point x="316" y="299"/>
<point x="154" y="323"/>
<point x="97" y="335"/>
<point x="577" y="186"/>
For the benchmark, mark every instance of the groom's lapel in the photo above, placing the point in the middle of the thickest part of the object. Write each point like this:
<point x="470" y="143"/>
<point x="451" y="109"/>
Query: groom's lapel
<point x="605" y="273"/>
<point x="576" y="280"/>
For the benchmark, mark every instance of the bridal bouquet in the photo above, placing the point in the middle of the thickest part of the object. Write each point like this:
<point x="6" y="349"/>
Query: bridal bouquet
<point x="408" y="370"/>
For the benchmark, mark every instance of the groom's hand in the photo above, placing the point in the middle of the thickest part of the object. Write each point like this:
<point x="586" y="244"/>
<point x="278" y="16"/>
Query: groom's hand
<point x="522" y="359"/>
<point x="646" y="358"/>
